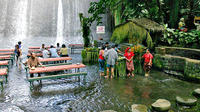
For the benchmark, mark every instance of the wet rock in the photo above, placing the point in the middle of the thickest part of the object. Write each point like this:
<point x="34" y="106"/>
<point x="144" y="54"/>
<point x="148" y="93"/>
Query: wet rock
<point x="108" y="111"/>
<point x="139" y="108"/>
<point x="186" y="101"/>
<point x="196" y="92"/>
<point x="161" y="105"/>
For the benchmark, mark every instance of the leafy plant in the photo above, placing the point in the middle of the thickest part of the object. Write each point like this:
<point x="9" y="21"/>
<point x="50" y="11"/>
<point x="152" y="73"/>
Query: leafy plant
<point x="184" y="39"/>
<point x="95" y="43"/>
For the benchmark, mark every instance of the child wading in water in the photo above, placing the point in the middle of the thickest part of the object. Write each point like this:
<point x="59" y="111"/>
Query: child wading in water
<point x="129" y="61"/>
<point x="148" y="57"/>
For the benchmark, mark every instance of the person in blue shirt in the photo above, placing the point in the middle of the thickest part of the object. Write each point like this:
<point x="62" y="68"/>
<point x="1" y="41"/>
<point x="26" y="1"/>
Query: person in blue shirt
<point x="53" y="52"/>
<point x="20" y="44"/>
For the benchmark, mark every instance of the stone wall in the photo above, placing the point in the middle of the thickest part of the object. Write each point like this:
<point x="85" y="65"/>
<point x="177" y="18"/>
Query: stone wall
<point x="177" y="65"/>
<point x="177" y="51"/>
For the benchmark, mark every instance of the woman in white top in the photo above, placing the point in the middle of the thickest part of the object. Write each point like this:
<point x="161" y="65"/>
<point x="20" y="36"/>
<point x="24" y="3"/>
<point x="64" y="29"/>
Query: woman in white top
<point x="45" y="53"/>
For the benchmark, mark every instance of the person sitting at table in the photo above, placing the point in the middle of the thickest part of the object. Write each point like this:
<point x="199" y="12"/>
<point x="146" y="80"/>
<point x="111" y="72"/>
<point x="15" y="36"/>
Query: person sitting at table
<point x="53" y="52"/>
<point x="63" y="51"/>
<point x="58" y="47"/>
<point x="33" y="62"/>
<point x="43" y="47"/>
<point x="45" y="53"/>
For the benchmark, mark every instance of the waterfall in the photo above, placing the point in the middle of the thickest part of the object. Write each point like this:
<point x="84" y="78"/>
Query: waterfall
<point x="60" y="23"/>
<point x="21" y="20"/>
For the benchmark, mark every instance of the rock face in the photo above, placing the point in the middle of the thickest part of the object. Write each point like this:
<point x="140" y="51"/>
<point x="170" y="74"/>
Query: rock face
<point x="139" y="108"/>
<point x="108" y="111"/>
<point x="196" y="92"/>
<point x="161" y="105"/>
<point x="186" y="101"/>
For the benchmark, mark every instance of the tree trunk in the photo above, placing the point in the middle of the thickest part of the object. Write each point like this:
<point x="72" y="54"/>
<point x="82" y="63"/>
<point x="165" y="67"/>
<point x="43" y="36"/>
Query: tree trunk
<point x="174" y="9"/>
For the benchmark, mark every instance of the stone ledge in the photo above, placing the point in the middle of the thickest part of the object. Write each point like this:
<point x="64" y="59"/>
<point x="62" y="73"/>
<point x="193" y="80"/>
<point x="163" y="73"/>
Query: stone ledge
<point x="189" y="67"/>
<point x="177" y="51"/>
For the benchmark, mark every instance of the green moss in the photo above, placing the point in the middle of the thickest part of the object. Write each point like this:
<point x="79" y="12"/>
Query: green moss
<point x="131" y="33"/>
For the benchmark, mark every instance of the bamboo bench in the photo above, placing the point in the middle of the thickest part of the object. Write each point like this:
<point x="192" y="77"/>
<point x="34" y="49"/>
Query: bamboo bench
<point x="7" y="57"/>
<point x="75" y="46"/>
<point x="4" y="72"/>
<point x="37" y="55"/>
<point x="58" y="64"/>
<point x="4" y="64"/>
<point x="7" y="53"/>
<point x="55" y="76"/>
<point x="36" y="47"/>
<point x="53" y="69"/>
<point x="56" y="68"/>
<point x="31" y="80"/>
<point x="35" y="50"/>
<point x="7" y="50"/>
<point x="58" y="60"/>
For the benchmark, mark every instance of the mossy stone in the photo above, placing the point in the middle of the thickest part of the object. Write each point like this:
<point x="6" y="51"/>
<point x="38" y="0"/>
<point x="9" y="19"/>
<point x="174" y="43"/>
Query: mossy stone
<point x="139" y="108"/>
<point x="161" y="105"/>
<point x="186" y="101"/>
<point x="196" y="92"/>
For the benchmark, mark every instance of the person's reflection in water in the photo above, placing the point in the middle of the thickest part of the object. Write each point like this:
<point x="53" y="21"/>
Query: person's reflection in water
<point x="146" y="92"/>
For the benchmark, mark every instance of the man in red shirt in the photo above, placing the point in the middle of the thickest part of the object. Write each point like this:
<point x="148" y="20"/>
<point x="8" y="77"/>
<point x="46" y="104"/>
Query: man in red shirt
<point x="148" y="57"/>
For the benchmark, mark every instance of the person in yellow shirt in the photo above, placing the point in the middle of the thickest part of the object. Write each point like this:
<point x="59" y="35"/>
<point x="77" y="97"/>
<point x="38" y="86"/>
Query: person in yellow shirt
<point x="63" y="51"/>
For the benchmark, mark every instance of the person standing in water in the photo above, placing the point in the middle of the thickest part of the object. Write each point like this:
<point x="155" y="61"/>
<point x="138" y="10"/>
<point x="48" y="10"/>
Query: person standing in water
<point x="117" y="49"/>
<point x="111" y="56"/>
<point x="20" y="44"/>
<point x="129" y="61"/>
<point x="148" y="57"/>
<point x="101" y="61"/>
<point x="18" y="56"/>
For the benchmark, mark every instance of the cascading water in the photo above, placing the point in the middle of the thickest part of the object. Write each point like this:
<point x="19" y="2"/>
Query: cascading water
<point x="18" y="94"/>
<point x="21" y="20"/>
<point x="60" y="23"/>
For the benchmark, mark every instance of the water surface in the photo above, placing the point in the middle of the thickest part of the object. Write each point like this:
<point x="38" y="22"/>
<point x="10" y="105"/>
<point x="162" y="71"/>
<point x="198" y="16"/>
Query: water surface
<point x="68" y="95"/>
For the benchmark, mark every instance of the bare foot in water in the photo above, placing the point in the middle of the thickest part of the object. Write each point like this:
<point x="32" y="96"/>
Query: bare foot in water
<point x="133" y="75"/>
<point x="102" y="74"/>
<point x="106" y="77"/>
<point x="111" y="77"/>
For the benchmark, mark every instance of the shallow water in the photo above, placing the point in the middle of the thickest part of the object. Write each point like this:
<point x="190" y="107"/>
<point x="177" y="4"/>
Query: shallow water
<point x="68" y="95"/>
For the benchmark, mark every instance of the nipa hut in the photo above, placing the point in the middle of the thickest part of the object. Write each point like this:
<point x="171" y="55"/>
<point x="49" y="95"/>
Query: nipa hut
<point x="138" y="31"/>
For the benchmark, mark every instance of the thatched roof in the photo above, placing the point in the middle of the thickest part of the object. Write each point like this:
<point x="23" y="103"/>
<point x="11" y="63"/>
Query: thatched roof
<point x="148" y="24"/>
